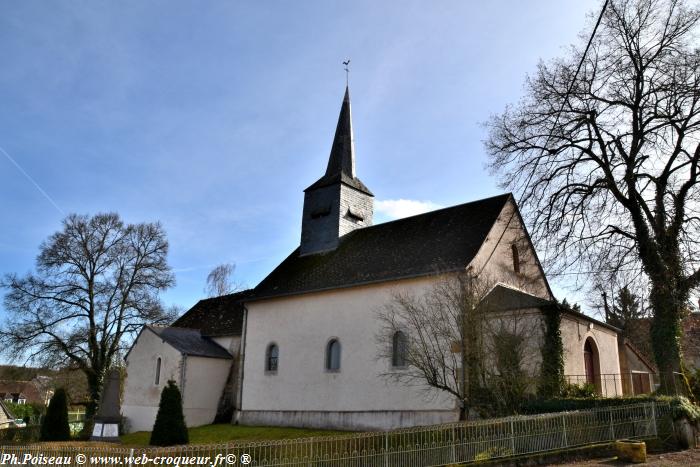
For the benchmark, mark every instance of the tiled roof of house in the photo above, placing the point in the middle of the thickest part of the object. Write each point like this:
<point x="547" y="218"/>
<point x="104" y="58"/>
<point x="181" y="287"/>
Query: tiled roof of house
<point x="218" y="316"/>
<point x="439" y="241"/>
<point x="28" y="390"/>
<point x="640" y="355"/>
<point x="190" y="342"/>
<point x="640" y="335"/>
<point x="691" y="339"/>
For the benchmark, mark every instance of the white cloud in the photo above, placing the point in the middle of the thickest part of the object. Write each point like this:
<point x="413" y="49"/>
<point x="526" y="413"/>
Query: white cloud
<point x="398" y="208"/>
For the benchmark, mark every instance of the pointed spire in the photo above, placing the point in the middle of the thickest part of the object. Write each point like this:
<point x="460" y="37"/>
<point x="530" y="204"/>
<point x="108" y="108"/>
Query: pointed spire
<point x="341" y="163"/>
<point x="342" y="158"/>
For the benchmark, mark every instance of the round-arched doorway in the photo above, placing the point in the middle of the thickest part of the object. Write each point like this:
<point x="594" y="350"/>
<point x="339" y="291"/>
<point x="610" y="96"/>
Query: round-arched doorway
<point x="591" y="361"/>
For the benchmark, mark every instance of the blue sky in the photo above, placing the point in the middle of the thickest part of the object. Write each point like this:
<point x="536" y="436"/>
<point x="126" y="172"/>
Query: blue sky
<point x="212" y="117"/>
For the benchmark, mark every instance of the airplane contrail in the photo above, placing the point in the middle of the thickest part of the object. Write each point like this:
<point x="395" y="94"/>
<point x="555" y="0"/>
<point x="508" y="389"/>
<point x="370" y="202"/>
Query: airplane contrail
<point x="41" y="190"/>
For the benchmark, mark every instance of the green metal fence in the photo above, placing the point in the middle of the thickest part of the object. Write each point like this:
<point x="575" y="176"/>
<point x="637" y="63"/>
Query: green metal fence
<point x="421" y="446"/>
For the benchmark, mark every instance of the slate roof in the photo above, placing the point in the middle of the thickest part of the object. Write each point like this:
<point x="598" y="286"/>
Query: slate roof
<point x="218" y="316"/>
<point x="190" y="342"/>
<point x="332" y="179"/>
<point x="503" y="298"/>
<point x="341" y="162"/>
<point x="438" y="241"/>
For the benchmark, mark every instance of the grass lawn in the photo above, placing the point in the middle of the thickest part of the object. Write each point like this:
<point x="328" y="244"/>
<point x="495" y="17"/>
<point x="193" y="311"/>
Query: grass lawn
<point x="225" y="432"/>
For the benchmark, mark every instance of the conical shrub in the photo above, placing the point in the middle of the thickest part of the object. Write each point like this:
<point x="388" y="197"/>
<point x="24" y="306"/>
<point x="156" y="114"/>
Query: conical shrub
<point x="169" y="428"/>
<point x="55" y="425"/>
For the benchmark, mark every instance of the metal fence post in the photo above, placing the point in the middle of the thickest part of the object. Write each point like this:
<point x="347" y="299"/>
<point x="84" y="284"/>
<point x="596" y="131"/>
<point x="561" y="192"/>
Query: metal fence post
<point x="131" y="456"/>
<point x="631" y="385"/>
<point x="563" y="423"/>
<point x="311" y="453"/>
<point x="653" y="417"/>
<point x="386" y="449"/>
<point x="454" y="446"/>
<point x="512" y="436"/>
<point x="612" y="428"/>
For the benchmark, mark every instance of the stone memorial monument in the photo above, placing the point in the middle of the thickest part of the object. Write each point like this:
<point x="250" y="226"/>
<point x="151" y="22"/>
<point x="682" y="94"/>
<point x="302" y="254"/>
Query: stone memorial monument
<point x="108" y="415"/>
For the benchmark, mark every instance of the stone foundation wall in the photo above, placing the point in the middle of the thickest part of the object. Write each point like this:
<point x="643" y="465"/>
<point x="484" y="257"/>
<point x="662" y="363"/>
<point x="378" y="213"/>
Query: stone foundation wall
<point x="356" y="421"/>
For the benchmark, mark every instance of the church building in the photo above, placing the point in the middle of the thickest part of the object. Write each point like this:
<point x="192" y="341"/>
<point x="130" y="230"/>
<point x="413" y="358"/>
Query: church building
<point x="300" y="348"/>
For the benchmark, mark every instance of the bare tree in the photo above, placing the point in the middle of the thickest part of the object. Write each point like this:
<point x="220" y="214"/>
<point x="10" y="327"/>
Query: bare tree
<point x="219" y="280"/>
<point x="96" y="283"/>
<point x="604" y="152"/>
<point x="448" y="339"/>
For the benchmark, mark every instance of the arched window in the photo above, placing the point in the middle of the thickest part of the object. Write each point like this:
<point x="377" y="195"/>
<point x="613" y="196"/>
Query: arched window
<point x="333" y="355"/>
<point x="158" y="362"/>
<point x="516" y="258"/>
<point x="272" y="357"/>
<point x="399" y="348"/>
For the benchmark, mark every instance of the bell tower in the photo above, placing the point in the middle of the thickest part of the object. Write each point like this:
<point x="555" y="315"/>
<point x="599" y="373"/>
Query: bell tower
<point x="338" y="202"/>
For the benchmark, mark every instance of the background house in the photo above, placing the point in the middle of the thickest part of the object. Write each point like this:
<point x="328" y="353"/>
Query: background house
<point x="37" y="391"/>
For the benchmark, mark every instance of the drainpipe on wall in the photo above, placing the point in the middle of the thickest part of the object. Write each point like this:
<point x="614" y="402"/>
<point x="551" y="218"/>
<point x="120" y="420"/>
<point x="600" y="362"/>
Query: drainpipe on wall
<point x="183" y="372"/>
<point x="241" y="364"/>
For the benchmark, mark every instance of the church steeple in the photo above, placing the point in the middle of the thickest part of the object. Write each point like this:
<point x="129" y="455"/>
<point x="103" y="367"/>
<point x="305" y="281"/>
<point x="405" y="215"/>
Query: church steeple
<point x="338" y="202"/>
<point x="341" y="162"/>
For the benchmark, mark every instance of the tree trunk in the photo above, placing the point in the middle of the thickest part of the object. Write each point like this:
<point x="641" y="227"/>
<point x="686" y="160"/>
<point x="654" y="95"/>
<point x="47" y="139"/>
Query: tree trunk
<point x="668" y="302"/>
<point x="95" y="382"/>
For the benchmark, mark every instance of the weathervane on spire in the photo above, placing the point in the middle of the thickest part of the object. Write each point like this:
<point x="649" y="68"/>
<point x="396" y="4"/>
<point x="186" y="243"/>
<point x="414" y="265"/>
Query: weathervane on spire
<point x="347" y="71"/>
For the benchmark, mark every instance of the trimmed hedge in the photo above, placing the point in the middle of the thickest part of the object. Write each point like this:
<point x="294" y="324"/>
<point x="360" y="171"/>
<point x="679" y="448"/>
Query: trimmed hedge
<point x="681" y="407"/>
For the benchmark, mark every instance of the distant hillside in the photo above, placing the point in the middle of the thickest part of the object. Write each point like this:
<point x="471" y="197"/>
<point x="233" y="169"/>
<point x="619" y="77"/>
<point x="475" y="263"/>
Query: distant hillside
<point x="23" y="373"/>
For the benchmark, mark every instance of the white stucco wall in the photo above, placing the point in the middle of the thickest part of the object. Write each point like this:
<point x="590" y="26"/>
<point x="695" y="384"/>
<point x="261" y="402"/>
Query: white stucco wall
<point x="141" y="395"/>
<point x="204" y="382"/>
<point x="302" y="326"/>
<point x="494" y="261"/>
<point x="574" y="332"/>
<point x="303" y="393"/>
<point x="230" y="343"/>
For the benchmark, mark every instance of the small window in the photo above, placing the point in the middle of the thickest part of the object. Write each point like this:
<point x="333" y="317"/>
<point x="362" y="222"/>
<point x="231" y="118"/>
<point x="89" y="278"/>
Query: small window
<point x="158" y="362"/>
<point x="399" y="349"/>
<point x="333" y="355"/>
<point x="516" y="258"/>
<point x="272" y="357"/>
<point x="321" y="211"/>
<point x="21" y="401"/>
<point x="355" y="216"/>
